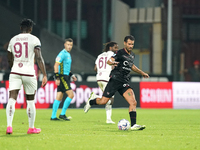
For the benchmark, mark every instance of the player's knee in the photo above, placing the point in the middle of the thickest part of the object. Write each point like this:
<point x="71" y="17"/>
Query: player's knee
<point x="133" y="103"/>
<point x="71" y="95"/>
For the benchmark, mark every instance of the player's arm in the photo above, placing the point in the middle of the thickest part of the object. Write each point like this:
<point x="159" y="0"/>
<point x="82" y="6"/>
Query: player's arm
<point x="137" y="70"/>
<point x="112" y="61"/>
<point x="40" y="62"/>
<point x="56" y="75"/>
<point x="10" y="59"/>
<point x="95" y="68"/>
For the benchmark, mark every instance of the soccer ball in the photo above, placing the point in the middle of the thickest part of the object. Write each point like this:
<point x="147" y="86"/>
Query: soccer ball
<point x="123" y="124"/>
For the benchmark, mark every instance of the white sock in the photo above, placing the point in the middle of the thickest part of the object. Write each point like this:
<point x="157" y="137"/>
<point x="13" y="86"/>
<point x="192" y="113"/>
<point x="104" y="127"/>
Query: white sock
<point x="10" y="110"/>
<point x="108" y="111"/>
<point x="31" y="112"/>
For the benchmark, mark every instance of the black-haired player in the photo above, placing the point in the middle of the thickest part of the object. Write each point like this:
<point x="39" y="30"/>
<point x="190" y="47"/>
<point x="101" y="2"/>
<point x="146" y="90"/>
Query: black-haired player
<point x="22" y="50"/>
<point x="123" y="61"/>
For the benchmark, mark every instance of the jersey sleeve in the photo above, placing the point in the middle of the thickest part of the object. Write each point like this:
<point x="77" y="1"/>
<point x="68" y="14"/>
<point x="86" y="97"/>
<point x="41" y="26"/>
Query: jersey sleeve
<point x="60" y="57"/>
<point x="37" y="42"/>
<point x="10" y="46"/>
<point x="117" y="55"/>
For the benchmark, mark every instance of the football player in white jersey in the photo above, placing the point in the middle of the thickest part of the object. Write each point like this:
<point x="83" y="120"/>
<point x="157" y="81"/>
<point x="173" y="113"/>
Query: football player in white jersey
<point x="22" y="50"/>
<point x="103" y="71"/>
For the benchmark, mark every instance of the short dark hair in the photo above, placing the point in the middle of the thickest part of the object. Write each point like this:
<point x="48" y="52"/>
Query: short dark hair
<point x="68" y="40"/>
<point x="26" y="23"/>
<point x="108" y="45"/>
<point x="130" y="37"/>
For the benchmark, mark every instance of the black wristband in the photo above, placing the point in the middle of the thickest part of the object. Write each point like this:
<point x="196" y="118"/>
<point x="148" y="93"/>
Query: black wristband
<point x="70" y="74"/>
<point x="56" y="76"/>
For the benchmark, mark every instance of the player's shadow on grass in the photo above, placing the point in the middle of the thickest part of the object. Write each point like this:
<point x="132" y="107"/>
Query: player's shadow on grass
<point x="13" y="135"/>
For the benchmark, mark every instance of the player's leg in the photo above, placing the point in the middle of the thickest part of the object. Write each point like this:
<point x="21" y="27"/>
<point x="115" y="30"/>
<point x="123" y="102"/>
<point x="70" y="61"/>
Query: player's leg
<point x="30" y="87"/>
<point x="67" y="88"/>
<point x="56" y="104"/>
<point x="107" y="94"/>
<point x="14" y="87"/>
<point x="66" y="104"/>
<point x="130" y="98"/>
<point x="108" y="106"/>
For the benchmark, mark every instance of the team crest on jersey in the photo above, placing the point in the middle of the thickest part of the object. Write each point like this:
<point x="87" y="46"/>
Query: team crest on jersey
<point x="20" y="65"/>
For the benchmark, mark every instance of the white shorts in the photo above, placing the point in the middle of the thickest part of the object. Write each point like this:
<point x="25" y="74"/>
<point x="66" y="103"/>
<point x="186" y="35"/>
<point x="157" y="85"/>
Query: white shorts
<point x="102" y="85"/>
<point x="29" y="83"/>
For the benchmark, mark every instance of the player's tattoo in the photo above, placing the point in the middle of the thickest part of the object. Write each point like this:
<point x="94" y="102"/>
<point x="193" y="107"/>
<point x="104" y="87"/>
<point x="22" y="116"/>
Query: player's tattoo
<point x="129" y="93"/>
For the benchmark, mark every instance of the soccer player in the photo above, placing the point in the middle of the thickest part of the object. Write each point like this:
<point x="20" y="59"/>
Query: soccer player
<point x="62" y="76"/>
<point x="103" y="71"/>
<point x="22" y="50"/>
<point x="123" y="61"/>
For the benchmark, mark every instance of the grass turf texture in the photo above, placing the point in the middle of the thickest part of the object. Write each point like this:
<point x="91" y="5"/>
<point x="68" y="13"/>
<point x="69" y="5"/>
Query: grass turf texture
<point x="165" y="129"/>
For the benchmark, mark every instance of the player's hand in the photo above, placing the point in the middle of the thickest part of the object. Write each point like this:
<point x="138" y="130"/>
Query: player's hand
<point x="44" y="81"/>
<point x="57" y="82"/>
<point x="74" y="78"/>
<point x="115" y="63"/>
<point x="145" y="75"/>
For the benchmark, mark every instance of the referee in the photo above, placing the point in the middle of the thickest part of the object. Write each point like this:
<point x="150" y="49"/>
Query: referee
<point x="62" y="76"/>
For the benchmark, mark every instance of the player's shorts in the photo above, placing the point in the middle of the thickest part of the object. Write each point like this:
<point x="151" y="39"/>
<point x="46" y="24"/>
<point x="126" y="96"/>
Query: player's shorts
<point x="102" y="85"/>
<point x="113" y="86"/>
<point x="64" y="84"/>
<point x="29" y="83"/>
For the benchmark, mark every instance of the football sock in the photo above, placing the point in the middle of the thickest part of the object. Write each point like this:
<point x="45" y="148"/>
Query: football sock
<point x="108" y="111"/>
<point x="93" y="102"/>
<point x="66" y="105"/>
<point x="31" y="112"/>
<point x="10" y="110"/>
<point x="56" y="104"/>
<point x="133" y="117"/>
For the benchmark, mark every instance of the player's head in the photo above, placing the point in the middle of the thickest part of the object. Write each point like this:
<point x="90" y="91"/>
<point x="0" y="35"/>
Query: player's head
<point x="26" y="25"/>
<point x="111" y="46"/>
<point x="68" y="44"/>
<point x="129" y="41"/>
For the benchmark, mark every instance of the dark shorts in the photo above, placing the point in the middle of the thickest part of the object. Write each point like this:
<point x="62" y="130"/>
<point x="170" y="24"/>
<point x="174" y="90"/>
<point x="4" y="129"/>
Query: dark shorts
<point x="64" y="84"/>
<point x="113" y="86"/>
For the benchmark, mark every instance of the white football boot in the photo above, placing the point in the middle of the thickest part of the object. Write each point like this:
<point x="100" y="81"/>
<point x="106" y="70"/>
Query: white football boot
<point x="87" y="105"/>
<point x="109" y="121"/>
<point x="136" y="127"/>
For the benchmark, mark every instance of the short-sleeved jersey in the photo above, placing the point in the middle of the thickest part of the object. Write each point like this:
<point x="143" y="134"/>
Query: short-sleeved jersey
<point x="103" y="69"/>
<point x="122" y="70"/>
<point x="64" y="59"/>
<point x="22" y="47"/>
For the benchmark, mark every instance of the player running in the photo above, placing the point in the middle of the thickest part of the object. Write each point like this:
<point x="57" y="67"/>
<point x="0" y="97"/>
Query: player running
<point x="22" y="50"/>
<point x="103" y="71"/>
<point x="119" y="81"/>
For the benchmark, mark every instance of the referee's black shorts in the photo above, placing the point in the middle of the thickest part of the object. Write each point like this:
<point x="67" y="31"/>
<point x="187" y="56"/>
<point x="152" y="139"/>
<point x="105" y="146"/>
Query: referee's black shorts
<point x="115" y="85"/>
<point x="64" y="84"/>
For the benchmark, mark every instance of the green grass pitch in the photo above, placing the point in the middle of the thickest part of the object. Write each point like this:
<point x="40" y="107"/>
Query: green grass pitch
<point x="165" y="129"/>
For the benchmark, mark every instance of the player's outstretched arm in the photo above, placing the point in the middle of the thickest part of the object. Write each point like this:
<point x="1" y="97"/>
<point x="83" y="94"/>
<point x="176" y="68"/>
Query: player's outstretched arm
<point x="40" y="61"/>
<point x="112" y="61"/>
<point x="137" y="70"/>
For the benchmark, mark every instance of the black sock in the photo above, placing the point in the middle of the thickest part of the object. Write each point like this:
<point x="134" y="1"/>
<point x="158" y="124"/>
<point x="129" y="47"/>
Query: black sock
<point x="93" y="102"/>
<point x="133" y="117"/>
